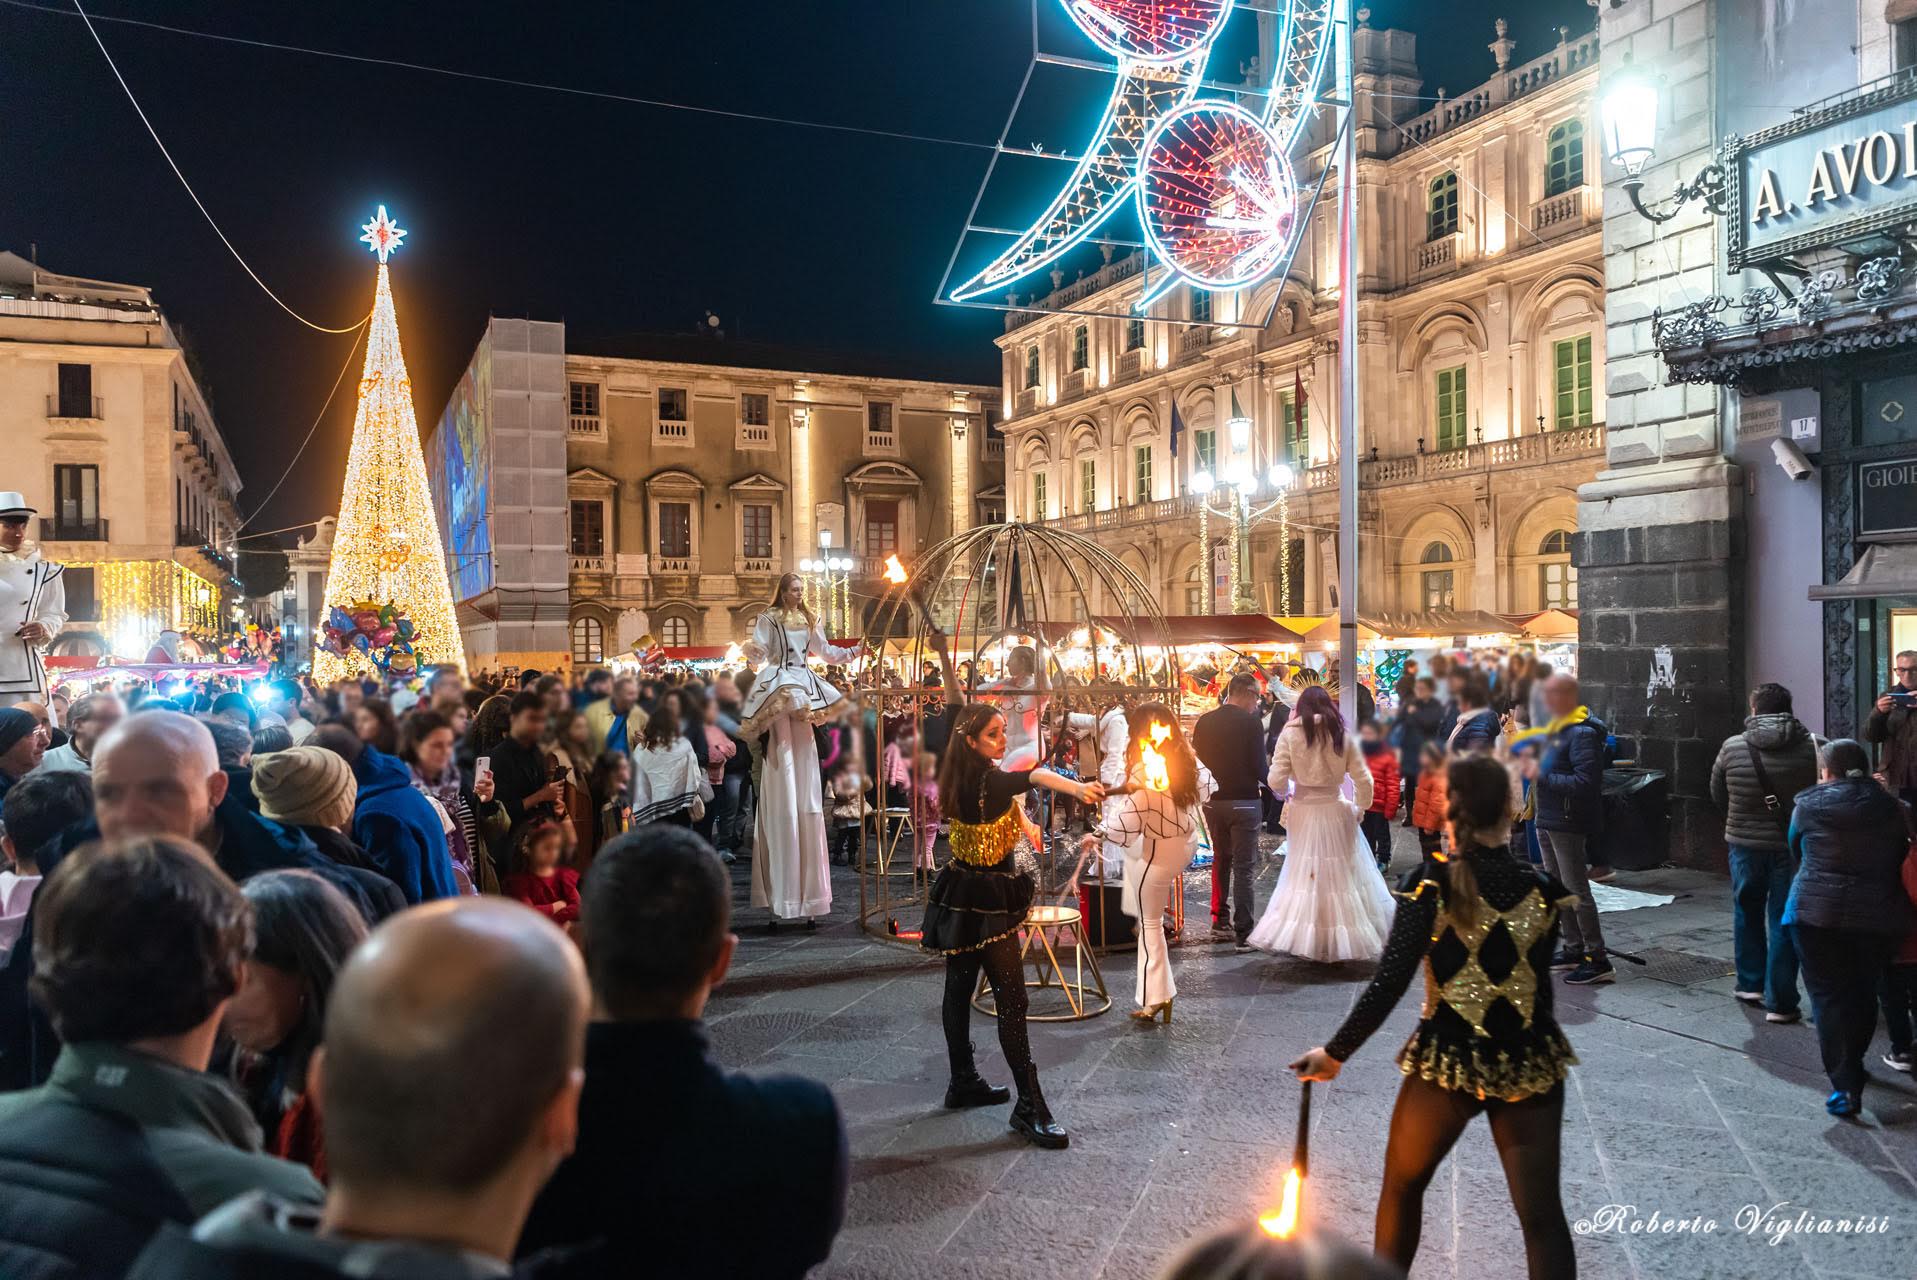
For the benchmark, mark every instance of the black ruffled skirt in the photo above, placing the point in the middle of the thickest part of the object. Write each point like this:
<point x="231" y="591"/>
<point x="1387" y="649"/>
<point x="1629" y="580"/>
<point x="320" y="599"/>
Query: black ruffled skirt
<point x="972" y="907"/>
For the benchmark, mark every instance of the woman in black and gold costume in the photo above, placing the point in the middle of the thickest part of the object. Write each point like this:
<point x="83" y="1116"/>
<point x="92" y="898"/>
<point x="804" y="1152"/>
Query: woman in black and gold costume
<point x="1485" y="924"/>
<point x="977" y="904"/>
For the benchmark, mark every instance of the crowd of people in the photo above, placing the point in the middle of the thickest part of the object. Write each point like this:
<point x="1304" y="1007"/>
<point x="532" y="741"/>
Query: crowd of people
<point x="252" y="941"/>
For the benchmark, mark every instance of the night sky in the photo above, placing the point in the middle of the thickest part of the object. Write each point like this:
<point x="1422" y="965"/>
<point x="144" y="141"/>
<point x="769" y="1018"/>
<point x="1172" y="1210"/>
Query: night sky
<point x="623" y="220"/>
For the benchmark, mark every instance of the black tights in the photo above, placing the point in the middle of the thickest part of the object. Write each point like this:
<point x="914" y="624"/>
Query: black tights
<point x="1428" y="1121"/>
<point x="1007" y="976"/>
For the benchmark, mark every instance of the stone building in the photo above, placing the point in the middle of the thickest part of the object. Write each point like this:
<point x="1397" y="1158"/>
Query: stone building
<point x="692" y="484"/>
<point x="1755" y="517"/>
<point x="1481" y="351"/>
<point x="109" y="434"/>
<point x="587" y="500"/>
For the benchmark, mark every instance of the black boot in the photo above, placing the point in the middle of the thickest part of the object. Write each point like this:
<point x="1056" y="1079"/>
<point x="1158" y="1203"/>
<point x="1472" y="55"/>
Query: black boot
<point x="1033" y="1118"/>
<point x="969" y="1088"/>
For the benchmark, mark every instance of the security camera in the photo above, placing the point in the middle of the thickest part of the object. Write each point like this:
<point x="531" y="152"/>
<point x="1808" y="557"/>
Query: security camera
<point x="1791" y="459"/>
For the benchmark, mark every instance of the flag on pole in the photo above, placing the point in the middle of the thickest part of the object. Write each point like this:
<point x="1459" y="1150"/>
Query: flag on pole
<point x="1178" y="428"/>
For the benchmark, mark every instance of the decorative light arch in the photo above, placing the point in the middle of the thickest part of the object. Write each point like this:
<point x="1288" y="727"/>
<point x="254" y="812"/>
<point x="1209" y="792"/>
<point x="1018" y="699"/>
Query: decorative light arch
<point x="1213" y="180"/>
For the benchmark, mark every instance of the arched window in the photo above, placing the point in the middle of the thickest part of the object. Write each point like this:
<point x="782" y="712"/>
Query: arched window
<point x="1438" y="586"/>
<point x="1441" y="206"/>
<point x="675" y="633"/>
<point x="1081" y="348"/>
<point x="588" y="640"/>
<point x="1564" y="158"/>
<point x="1557" y="577"/>
<point x="1031" y="366"/>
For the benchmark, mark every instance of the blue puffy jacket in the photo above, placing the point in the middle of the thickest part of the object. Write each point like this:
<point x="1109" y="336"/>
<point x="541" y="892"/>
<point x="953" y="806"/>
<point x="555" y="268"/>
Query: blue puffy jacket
<point x="400" y="830"/>
<point x="1850" y="837"/>
<point x="1570" y="782"/>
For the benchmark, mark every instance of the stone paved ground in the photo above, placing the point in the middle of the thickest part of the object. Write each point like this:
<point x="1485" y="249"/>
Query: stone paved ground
<point x="1686" y="1105"/>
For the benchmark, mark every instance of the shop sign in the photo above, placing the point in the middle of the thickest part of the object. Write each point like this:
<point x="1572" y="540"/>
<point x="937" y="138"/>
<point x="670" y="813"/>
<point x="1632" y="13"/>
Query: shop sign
<point x="1829" y="176"/>
<point x="1886" y="497"/>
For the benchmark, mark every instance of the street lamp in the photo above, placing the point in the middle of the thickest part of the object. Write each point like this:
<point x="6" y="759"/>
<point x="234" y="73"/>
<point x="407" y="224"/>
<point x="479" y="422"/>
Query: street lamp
<point x="1240" y="486"/>
<point x="827" y="586"/>
<point x="1628" y="114"/>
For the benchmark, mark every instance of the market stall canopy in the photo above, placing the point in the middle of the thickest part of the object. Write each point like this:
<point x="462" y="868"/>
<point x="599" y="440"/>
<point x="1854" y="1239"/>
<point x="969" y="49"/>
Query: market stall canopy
<point x="1245" y="630"/>
<point x="1551" y="624"/>
<point x="1885" y="569"/>
<point x="1323" y="631"/>
<point x="154" y="672"/>
<point x="1443" y="623"/>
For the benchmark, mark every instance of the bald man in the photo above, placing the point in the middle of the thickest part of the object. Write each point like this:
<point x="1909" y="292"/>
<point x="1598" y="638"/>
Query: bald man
<point x="433" y="1162"/>
<point x="158" y="773"/>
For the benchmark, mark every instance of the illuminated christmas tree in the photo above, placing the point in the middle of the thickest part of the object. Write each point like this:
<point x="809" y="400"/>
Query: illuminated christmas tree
<point x="387" y="550"/>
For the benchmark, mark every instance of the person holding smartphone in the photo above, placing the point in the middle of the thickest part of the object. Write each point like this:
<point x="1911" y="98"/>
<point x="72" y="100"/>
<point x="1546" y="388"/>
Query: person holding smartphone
<point x="523" y="778"/>
<point x="1893" y="724"/>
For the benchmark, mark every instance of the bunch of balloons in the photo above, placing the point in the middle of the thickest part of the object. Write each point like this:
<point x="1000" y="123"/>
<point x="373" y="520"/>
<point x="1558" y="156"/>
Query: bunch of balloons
<point x="379" y="632"/>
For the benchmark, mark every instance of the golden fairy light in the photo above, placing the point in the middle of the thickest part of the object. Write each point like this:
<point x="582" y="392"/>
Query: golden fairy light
<point x="386" y="509"/>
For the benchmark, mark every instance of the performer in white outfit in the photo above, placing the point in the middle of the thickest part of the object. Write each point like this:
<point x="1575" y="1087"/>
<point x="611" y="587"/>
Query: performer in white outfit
<point x="1111" y="734"/>
<point x="791" y="871"/>
<point x="1331" y="903"/>
<point x="33" y="605"/>
<point x="1020" y="698"/>
<point x="1157" y="829"/>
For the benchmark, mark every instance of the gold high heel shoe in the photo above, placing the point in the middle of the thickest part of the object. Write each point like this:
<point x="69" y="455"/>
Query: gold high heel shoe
<point x="1149" y="1015"/>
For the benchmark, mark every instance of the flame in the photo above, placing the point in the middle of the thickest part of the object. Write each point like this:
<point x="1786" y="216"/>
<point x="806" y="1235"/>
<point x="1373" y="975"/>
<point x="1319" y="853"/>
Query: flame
<point x="1284" y="1223"/>
<point x="733" y="653"/>
<point x="894" y="571"/>
<point x="1157" y="774"/>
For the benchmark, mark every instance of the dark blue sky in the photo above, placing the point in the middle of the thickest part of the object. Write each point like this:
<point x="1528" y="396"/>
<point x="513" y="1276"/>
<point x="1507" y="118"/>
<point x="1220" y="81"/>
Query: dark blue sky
<point x="623" y="220"/>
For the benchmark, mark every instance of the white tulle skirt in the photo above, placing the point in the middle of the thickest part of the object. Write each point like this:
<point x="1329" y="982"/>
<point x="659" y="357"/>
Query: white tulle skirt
<point x="1331" y="903"/>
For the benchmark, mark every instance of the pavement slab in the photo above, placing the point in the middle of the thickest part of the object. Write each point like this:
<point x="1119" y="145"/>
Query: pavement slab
<point x="1694" y="1144"/>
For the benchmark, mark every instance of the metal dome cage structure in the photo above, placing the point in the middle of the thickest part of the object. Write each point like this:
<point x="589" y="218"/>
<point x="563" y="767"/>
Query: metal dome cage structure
<point x="957" y="614"/>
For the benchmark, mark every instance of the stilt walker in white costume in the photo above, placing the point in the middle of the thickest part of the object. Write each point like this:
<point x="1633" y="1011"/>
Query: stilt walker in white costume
<point x="33" y="605"/>
<point x="791" y="871"/>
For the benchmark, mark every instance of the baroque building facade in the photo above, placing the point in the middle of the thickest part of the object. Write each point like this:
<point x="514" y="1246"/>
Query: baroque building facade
<point x="692" y="486"/>
<point x="1481" y="359"/>
<point x="111" y="437"/>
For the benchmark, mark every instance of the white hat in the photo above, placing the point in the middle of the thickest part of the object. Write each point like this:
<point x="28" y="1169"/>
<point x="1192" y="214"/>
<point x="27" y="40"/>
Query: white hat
<point x="14" y="503"/>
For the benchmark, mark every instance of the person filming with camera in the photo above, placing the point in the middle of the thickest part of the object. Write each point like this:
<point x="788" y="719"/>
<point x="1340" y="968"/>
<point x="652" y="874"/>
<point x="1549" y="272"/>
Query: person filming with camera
<point x="1893" y="722"/>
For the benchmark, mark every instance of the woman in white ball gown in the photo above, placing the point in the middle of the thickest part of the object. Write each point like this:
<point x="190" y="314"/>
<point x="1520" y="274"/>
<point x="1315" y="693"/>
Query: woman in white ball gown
<point x="791" y="871"/>
<point x="1330" y="903"/>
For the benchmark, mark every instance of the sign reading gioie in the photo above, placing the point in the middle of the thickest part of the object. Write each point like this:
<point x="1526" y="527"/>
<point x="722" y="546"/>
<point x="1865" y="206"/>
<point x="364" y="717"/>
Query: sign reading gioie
<point x="1886" y="497"/>
<point x="1829" y="176"/>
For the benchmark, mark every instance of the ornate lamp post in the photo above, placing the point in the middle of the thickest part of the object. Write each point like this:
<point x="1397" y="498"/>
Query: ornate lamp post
<point x="1239" y="487"/>
<point x="1628" y="112"/>
<point x="828" y="587"/>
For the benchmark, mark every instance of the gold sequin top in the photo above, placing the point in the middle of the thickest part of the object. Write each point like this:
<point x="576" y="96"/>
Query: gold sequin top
<point x="1487" y="1025"/>
<point x="982" y="844"/>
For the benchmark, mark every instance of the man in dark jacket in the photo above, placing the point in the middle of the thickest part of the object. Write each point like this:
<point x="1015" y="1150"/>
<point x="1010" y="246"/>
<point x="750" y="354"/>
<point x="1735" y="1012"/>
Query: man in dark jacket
<point x="1893" y="723"/>
<point x="1230" y="742"/>
<point x="141" y="947"/>
<point x="43" y="816"/>
<point x="662" y="1128"/>
<point x="425" y="1182"/>
<point x="1756" y="826"/>
<point x="157" y="773"/>
<point x="393" y="821"/>
<point x="522" y="778"/>
<point x="1567" y="783"/>
<point x="1475" y="727"/>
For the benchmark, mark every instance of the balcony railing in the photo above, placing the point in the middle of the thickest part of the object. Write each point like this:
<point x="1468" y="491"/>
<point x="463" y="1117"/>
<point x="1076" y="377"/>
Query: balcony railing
<point x="1078" y="382"/>
<point x="1194" y="339"/>
<point x="1411" y="468"/>
<point x="73" y="530"/>
<point x="675" y="564"/>
<point x="1130" y="362"/>
<point x="1435" y="255"/>
<point x="76" y="408"/>
<point x="672" y="432"/>
<point x="1561" y="212"/>
<point x="586" y="425"/>
<point x="755" y="566"/>
<point x="591" y="564"/>
<point x="993" y="448"/>
<point x="1028" y="400"/>
<point x="881" y="442"/>
<point x="755" y="435"/>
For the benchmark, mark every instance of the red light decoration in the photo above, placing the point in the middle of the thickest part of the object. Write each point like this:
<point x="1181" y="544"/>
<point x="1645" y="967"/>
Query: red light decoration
<point x="1217" y="196"/>
<point x="1150" y="30"/>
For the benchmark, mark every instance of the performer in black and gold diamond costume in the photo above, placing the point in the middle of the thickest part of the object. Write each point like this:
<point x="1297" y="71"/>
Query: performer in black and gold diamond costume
<point x="1485" y="925"/>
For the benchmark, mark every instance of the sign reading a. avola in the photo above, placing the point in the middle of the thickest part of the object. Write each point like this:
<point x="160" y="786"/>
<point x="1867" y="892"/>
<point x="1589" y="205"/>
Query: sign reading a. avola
<point x="1828" y="176"/>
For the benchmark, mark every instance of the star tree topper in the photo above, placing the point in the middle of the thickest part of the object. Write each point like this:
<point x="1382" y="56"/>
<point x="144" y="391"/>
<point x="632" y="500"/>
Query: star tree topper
<point x="383" y="235"/>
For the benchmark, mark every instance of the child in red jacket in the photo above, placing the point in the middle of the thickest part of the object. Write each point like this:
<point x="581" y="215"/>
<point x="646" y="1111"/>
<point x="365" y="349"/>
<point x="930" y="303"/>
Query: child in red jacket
<point x="1387" y="784"/>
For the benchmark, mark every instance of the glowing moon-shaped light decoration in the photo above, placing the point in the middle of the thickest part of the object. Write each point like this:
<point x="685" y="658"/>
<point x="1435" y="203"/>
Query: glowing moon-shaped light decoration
<point x="1150" y="30"/>
<point x="1217" y="195"/>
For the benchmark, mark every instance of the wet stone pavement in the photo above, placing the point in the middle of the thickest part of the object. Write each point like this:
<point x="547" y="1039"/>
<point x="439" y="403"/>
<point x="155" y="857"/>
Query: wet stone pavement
<point x="1705" y="1123"/>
